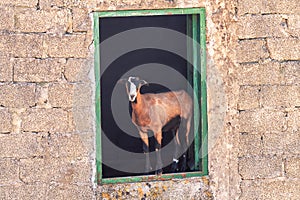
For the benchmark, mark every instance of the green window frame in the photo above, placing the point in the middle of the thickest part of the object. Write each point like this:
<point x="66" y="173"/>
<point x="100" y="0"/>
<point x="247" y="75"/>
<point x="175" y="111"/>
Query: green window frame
<point x="196" y="53"/>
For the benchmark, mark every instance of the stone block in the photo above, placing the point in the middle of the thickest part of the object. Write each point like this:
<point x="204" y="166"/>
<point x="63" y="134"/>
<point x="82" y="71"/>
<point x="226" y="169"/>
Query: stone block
<point x="250" y="144"/>
<point x="294" y="25"/>
<point x="68" y="145"/>
<point x="293" y="143"/>
<point x="53" y="21"/>
<point x="273" y="189"/>
<point x="63" y="171"/>
<point x="61" y="95"/>
<point x="292" y="189"/>
<point x="260" y="167"/>
<point x="293" y="136"/>
<point x="17" y="95"/>
<point x="38" y="70"/>
<point x="292" y="167"/>
<point x="251" y="190"/>
<point x="6" y="69"/>
<point x="274" y="143"/>
<point x="291" y="72"/>
<point x="81" y="20"/>
<point x="83" y="118"/>
<point x="52" y="3"/>
<point x="280" y="96"/>
<point x="77" y="70"/>
<point x="45" y="120"/>
<point x="83" y="95"/>
<point x="149" y="4"/>
<point x="9" y="170"/>
<point x="6" y="20"/>
<point x="5" y="121"/>
<point x="249" y="122"/>
<point x="77" y="171"/>
<point x="268" y="7"/>
<point x="35" y="170"/>
<point x="24" y="191"/>
<point x="68" y="46"/>
<point x="70" y="192"/>
<point x="269" y="73"/>
<point x="294" y="120"/>
<point x="20" y="145"/>
<point x="260" y="26"/>
<point x="4" y="52"/>
<point x="26" y="45"/>
<point x="23" y="45"/>
<point x="274" y="121"/>
<point x="251" y="51"/>
<point x="67" y="95"/>
<point x="21" y="3"/>
<point x="249" y="97"/>
<point x="262" y="120"/>
<point x="284" y="48"/>
<point x="68" y="4"/>
<point x="280" y="189"/>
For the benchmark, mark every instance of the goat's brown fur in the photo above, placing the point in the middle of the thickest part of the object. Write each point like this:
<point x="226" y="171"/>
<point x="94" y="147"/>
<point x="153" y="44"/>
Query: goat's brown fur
<point x="153" y="111"/>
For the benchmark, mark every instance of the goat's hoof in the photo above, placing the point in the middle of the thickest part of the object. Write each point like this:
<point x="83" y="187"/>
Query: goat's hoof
<point x="183" y="164"/>
<point x="174" y="167"/>
<point x="183" y="168"/>
<point x="158" y="172"/>
<point x="148" y="169"/>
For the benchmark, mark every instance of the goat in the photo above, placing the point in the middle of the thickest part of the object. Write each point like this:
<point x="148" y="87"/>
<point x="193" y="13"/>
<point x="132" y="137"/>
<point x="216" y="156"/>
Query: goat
<point x="153" y="112"/>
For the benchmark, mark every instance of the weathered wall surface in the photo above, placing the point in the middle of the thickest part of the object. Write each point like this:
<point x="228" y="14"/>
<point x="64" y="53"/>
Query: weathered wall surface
<point x="46" y="123"/>
<point x="268" y="57"/>
<point x="47" y="86"/>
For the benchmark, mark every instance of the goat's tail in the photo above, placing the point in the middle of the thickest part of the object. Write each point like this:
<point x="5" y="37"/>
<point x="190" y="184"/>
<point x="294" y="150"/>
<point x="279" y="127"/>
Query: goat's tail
<point x="188" y="129"/>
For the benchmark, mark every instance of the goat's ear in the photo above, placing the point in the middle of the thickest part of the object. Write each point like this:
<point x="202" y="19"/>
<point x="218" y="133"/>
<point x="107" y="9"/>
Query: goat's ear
<point x="143" y="82"/>
<point x="122" y="81"/>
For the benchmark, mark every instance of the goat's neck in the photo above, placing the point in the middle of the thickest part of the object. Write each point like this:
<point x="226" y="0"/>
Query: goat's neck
<point x="140" y="112"/>
<point x="139" y="103"/>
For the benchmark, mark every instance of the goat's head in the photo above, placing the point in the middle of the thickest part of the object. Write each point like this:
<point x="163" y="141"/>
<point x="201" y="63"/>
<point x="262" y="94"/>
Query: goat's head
<point x="133" y="85"/>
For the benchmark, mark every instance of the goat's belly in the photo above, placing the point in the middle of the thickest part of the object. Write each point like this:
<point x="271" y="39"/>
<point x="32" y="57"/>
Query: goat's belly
<point x="172" y="124"/>
<point x="144" y="129"/>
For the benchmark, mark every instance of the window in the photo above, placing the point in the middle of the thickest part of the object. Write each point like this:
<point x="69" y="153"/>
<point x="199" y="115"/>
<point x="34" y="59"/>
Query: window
<point x="166" y="48"/>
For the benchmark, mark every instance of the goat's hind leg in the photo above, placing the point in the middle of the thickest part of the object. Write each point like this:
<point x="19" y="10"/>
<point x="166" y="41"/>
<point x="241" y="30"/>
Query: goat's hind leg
<point x="185" y="145"/>
<point x="148" y="167"/>
<point x="159" y="164"/>
<point x="174" y="167"/>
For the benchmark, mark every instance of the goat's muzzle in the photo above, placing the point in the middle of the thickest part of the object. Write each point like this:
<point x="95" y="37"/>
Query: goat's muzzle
<point x="132" y="97"/>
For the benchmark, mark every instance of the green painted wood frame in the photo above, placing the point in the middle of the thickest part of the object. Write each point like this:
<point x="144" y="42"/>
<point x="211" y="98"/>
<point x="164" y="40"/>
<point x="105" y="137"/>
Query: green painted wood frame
<point x="197" y="20"/>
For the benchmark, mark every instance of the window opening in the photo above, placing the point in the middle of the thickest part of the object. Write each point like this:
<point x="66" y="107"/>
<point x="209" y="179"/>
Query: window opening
<point x="145" y="44"/>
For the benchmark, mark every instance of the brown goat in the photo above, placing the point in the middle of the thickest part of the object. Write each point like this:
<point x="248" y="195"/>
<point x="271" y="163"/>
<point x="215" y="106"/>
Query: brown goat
<point x="152" y="112"/>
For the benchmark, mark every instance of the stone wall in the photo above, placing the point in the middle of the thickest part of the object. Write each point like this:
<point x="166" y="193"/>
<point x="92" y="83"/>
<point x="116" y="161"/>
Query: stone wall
<point x="46" y="150"/>
<point x="269" y="93"/>
<point x="47" y="125"/>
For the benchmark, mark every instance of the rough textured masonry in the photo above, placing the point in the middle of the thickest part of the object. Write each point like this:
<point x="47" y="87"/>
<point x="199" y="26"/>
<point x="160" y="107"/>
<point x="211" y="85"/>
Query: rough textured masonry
<point x="47" y="125"/>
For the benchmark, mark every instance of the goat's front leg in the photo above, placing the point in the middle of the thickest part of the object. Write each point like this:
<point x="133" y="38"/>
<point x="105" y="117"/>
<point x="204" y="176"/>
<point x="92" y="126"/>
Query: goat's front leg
<point x="144" y="137"/>
<point x="159" y="165"/>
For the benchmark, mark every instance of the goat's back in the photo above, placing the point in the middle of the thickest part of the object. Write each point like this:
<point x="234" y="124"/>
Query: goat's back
<point x="173" y="102"/>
